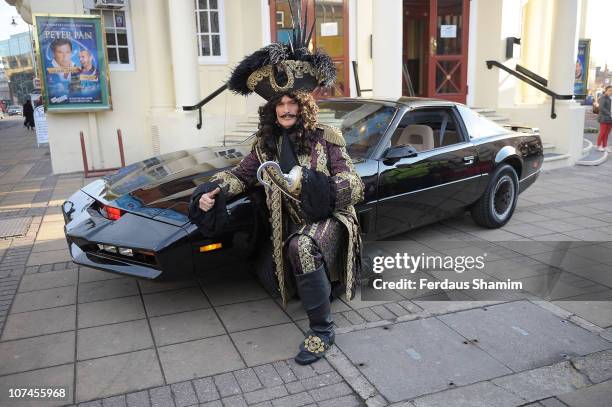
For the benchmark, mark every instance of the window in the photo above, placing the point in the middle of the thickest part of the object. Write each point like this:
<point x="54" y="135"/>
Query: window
<point x="118" y="37"/>
<point x="427" y="129"/>
<point x="210" y="27"/>
<point x="479" y="126"/>
<point x="362" y="124"/>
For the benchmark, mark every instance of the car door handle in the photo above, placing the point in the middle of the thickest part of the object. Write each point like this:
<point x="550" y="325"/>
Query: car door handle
<point x="468" y="160"/>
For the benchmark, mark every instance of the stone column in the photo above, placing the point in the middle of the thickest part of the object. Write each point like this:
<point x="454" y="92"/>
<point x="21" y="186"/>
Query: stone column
<point x="535" y="46"/>
<point x="181" y="17"/>
<point x="158" y="48"/>
<point x="564" y="46"/>
<point x="387" y="48"/>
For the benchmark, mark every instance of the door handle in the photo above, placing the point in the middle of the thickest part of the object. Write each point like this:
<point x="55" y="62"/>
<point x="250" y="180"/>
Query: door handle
<point x="468" y="160"/>
<point x="433" y="46"/>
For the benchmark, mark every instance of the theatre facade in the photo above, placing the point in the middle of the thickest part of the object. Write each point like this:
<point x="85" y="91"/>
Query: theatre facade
<point x="167" y="54"/>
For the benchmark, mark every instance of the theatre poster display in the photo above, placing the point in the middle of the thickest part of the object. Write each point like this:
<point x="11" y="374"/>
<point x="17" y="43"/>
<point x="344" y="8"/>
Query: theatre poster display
<point x="73" y="63"/>
<point x="582" y="68"/>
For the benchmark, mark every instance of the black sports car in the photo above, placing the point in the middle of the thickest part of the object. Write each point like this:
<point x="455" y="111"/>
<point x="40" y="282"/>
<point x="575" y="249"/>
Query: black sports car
<point x="421" y="161"/>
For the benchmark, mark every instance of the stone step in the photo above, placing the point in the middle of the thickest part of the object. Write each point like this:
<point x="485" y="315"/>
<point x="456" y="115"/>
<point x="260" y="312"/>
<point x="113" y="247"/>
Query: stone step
<point x="554" y="160"/>
<point x="587" y="147"/>
<point x="594" y="158"/>
<point x="548" y="147"/>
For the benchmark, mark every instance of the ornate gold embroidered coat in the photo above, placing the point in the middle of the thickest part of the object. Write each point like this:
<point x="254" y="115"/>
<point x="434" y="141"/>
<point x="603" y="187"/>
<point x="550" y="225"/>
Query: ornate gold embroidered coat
<point x="329" y="156"/>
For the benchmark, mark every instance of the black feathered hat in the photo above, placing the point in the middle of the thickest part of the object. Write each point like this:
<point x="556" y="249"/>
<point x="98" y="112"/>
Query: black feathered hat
<point x="283" y="68"/>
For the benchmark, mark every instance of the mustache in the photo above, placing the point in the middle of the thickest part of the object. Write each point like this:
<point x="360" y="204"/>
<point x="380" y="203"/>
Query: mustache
<point x="288" y="116"/>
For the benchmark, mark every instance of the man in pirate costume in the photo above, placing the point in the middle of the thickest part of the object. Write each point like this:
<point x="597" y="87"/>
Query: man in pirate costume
<point x="315" y="231"/>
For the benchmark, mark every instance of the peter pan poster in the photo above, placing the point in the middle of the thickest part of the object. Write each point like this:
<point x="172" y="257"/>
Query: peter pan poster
<point x="73" y="62"/>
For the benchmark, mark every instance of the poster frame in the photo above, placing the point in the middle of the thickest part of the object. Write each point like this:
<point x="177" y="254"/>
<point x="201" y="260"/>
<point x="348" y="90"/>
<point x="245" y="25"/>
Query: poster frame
<point x="103" y="66"/>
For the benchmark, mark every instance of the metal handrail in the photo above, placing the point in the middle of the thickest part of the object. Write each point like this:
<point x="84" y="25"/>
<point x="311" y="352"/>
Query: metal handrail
<point x="529" y="81"/>
<point x="202" y="102"/>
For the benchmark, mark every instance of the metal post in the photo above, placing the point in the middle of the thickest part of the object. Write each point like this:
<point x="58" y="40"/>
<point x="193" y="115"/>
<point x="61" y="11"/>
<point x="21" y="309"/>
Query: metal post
<point x="120" y="141"/>
<point x="84" y="155"/>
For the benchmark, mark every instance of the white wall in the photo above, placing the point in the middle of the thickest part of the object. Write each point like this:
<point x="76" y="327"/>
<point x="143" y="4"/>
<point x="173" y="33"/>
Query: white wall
<point x="134" y="111"/>
<point x="130" y="103"/>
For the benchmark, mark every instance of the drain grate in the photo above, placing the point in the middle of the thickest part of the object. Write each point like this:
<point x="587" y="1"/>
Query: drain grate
<point x="14" y="227"/>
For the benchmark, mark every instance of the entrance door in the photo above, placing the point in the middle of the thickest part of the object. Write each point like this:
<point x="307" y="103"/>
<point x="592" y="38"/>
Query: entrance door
<point x="448" y="29"/>
<point x="331" y="34"/>
<point x="435" y="48"/>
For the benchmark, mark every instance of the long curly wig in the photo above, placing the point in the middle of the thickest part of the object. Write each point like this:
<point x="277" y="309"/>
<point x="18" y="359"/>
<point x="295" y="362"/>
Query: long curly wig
<point x="305" y="126"/>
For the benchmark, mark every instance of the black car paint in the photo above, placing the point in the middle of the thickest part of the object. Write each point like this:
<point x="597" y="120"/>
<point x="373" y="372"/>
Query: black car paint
<point x="398" y="197"/>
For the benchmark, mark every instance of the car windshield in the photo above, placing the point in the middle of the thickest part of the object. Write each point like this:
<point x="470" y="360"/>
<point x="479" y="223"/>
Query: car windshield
<point x="362" y="123"/>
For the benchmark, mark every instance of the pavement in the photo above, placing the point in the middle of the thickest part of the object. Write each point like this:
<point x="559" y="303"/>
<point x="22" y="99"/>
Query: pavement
<point x="221" y="340"/>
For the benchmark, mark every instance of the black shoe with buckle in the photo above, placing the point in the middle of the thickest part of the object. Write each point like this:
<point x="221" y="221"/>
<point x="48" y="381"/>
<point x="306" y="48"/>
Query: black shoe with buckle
<point x="314" y="289"/>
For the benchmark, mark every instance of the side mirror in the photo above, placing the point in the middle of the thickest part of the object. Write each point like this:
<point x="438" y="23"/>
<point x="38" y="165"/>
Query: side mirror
<point x="402" y="151"/>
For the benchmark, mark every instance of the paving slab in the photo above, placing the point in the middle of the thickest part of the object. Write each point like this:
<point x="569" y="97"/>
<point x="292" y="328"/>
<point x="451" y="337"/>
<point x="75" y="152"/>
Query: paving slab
<point x="110" y="311"/>
<point x="413" y="358"/>
<point x="252" y="314"/>
<point x="107" y="289"/>
<point x="58" y="376"/>
<point x="14" y="226"/>
<point x="170" y="302"/>
<point x="118" y="374"/>
<point x="597" y="366"/>
<point x="204" y="357"/>
<point x="51" y="230"/>
<point x="233" y="291"/>
<point x="35" y="353"/>
<point x="112" y="339"/>
<point x="40" y="322"/>
<point x="49" y="245"/>
<point x="51" y="279"/>
<point x="599" y="395"/>
<point x="49" y="257"/>
<point x="185" y="326"/>
<point x="597" y="312"/>
<point x="87" y="275"/>
<point x="544" y="382"/>
<point x="52" y="297"/>
<point x="483" y="394"/>
<point x="269" y="344"/>
<point x="524" y="336"/>
<point x="154" y="286"/>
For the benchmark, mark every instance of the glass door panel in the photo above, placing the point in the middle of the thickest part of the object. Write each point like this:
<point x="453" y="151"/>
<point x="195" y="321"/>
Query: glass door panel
<point x="448" y="49"/>
<point x="330" y="34"/>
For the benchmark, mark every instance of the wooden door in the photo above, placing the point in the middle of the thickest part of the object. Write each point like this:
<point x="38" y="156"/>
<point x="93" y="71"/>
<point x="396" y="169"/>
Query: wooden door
<point x="448" y="48"/>
<point x="331" y="33"/>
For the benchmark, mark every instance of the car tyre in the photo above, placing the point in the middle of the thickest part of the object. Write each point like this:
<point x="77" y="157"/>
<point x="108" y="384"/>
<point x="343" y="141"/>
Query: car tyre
<point x="266" y="272"/>
<point x="496" y="206"/>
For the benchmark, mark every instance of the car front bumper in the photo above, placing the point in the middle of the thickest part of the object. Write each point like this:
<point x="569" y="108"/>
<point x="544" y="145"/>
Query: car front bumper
<point x="160" y="250"/>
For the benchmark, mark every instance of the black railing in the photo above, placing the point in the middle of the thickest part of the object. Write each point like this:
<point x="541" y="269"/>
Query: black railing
<point x="356" y="76"/>
<point x="534" y="80"/>
<point x="202" y="102"/>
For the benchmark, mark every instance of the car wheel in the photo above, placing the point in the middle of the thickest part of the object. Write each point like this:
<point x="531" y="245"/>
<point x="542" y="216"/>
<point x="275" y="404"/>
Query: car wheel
<point x="496" y="206"/>
<point x="266" y="272"/>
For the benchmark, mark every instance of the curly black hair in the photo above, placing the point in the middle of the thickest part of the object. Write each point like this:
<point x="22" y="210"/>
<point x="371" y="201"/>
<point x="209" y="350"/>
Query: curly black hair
<point x="270" y="130"/>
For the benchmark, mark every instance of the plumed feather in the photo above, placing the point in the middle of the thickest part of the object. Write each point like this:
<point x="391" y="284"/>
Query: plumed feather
<point x="271" y="54"/>
<point x="326" y="68"/>
<point x="275" y="53"/>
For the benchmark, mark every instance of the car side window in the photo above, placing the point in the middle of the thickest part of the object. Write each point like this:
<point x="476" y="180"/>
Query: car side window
<point x="426" y="129"/>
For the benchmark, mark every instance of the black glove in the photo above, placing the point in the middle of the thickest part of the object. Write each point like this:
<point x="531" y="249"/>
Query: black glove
<point x="317" y="195"/>
<point x="214" y="221"/>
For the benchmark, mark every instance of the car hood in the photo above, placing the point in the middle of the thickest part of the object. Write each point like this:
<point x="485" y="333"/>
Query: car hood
<point x="160" y="187"/>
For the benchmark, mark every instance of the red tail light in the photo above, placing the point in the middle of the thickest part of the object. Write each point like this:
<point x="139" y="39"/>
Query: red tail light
<point x="112" y="213"/>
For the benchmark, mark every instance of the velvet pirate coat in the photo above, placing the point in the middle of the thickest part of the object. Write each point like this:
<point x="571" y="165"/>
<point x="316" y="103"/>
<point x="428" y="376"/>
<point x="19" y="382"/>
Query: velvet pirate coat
<point x="327" y="155"/>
